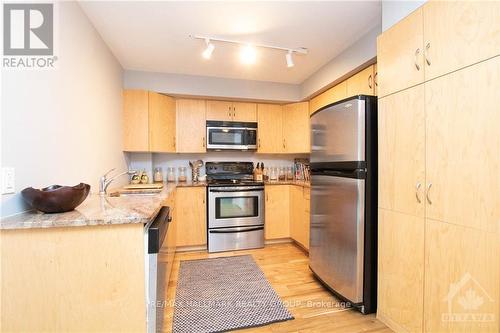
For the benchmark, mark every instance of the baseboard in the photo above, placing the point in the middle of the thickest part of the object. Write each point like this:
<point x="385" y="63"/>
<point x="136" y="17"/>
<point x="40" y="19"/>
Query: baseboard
<point x="195" y="248"/>
<point x="391" y="324"/>
<point x="301" y="247"/>
<point x="277" y="241"/>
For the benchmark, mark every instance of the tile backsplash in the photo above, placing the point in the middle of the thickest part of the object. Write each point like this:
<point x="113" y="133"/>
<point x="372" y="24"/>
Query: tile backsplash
<point x="149" y="161"/>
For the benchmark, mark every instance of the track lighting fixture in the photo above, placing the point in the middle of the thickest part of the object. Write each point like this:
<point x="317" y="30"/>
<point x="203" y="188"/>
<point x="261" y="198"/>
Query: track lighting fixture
<point x="208" y="51"/>
<point x="289" y="59"/>
<point x="248" y="53"/>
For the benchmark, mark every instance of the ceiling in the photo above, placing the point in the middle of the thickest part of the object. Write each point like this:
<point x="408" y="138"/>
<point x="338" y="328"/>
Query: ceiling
<point x="154" y="36"/>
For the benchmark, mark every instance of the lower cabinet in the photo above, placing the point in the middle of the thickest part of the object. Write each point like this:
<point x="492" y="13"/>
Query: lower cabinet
<point x="300" y="215"/>
<point x="277" y="207"/>
<point x="400" y="270"/>
<point x="190" y="216"/>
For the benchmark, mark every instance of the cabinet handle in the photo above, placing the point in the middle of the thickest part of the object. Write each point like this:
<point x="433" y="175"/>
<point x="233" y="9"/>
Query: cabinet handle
<point x="203" y="142"/>
<point x="284" y="144"/>
<point x="427" y="60"/>
<point x="417" y="188"/>
<point x="417" y="52"/>
<point x="175" y="145"/>
<point x="427" y="195"/>
<point x="370" y="82"/>
<point x="259" y="142"/>
<point x="375" y="79"/>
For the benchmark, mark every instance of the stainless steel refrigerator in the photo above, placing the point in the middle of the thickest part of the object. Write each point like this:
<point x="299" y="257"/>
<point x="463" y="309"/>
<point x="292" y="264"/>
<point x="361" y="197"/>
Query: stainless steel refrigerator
<point x="343" y="244"/>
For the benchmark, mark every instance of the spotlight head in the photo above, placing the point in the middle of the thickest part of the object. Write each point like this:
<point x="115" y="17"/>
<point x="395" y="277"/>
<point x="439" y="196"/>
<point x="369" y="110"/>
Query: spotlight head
<point x="248" y="54"/>
<point x="289" y="59"/>
<point x="209" y="50"/>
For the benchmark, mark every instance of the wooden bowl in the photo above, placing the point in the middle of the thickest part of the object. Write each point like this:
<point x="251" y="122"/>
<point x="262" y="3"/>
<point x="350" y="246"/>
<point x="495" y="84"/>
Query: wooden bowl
<point x="56" y="198"/>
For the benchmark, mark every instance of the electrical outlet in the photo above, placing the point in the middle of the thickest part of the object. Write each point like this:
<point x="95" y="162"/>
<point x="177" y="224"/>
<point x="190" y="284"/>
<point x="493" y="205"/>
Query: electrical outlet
<point x="8" y="180"/>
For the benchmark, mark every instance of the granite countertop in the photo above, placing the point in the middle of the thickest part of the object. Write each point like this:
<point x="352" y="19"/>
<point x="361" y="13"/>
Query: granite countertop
<point x="97" y="210"/>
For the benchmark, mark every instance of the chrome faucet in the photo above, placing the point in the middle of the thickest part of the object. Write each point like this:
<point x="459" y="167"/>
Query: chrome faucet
<point x="104" y="181"/>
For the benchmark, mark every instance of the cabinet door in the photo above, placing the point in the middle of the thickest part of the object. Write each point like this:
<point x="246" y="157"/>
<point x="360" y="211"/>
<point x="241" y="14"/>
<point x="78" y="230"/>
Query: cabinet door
<point x="246" y="112"/>
<point x="135" y="120"/>
<point x="277" y="224"/>
<point x="332" y="95"/>
<point x="270" y="132"/>
<point x="296" y="212"/>
<point x="459" y="33"/>
<point x="462" y="289"/>
<point x="463" y="146"/>
<point x="191" y="126"/>
<point x="306" y="217"/>
<point x="400" y="55"/>
<point x="296" y="128"/>
<point x="161" y="123"/>
<point x="190" y="206"/>
<point x="220" y="110"/>
<point x="400" y="270"/>
<point x="361" y="83"/>
<point x="401" y="151"/>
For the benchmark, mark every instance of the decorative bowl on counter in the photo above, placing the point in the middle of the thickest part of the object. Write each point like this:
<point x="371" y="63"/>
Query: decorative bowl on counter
<point x="56" y="198"/>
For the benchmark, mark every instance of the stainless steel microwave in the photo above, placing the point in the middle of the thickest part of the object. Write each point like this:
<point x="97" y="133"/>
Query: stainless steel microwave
<point x="229" y="135"/>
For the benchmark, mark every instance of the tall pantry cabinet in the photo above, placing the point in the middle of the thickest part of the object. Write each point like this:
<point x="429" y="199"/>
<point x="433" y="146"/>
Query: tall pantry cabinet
<point x="439" y="169"/>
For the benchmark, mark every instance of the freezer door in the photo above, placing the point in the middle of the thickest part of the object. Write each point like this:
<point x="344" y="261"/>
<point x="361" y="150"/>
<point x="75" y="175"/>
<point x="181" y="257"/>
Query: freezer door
<point x="338" y="133"/>
<point x="337" y="233"/>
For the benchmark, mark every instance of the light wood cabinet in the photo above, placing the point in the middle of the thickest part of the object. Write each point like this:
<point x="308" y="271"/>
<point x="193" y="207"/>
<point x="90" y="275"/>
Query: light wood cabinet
<point x="458" y="34"/>
<point x="361" y="83"/>
<point x="401" y="151"/>
<point x="332" y="95"/>
<point x="220" y="110"/>
<point x="300" y="215"/>
<point x="191" y="126"/>
<point x="462" y="147"/>
<point x="277" y="223"/>
<point x="400" y="58"/>
<point x="191" y="212"/>
<point x="296" y="128"/>
<point x="246" y="112"/>
<point x="400" y="270"/>
<point x="270" y="133"/>
<point x="231" y="111"/>
<point x="461" y="279"/>
<point x="148" y="121"/>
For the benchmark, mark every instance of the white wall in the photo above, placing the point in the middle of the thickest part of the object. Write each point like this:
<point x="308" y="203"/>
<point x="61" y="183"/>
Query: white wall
<point x="180" y="84"/>
<point x="63" y="126"/>
<point x="394" y="11"/>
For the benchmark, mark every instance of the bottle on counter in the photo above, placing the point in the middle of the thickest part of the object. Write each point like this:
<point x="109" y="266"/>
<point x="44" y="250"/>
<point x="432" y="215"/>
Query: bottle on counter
<point x="182" y="174"/>
<point x="170" y="174"/>
<point x="265" y="174"/>
<point x="289" y="173"/>
<point x="258" y="173"/>
<point x="282" y="176"/>
<point x="158" y="176"/>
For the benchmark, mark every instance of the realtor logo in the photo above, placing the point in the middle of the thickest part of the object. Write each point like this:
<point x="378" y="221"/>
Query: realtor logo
<point x="28" y="29"/>
<point x="466" y="300"/>
<point x="28" y="36"/>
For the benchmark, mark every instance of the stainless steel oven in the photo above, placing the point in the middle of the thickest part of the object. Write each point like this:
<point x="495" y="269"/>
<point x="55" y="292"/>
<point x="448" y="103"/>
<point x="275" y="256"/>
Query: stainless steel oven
<point x="227" y="135"/>
<point x="235" y="217"/>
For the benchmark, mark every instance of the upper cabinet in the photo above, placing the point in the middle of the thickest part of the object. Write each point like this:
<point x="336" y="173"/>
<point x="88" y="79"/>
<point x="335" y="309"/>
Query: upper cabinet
<point x="283" y="129"/>
<point x="400" y="58"/>
<point x="191" y="126"/>
<point x="362" y="83"/>
<point x="270" y="132"/>
<point x="296" y="129"/>
<point x="149" y="121"/>
<point x="438" y="38"/>
<point x="332" y="95"/>
<point x="231" y="111"/>
<point x="458" y="34"/>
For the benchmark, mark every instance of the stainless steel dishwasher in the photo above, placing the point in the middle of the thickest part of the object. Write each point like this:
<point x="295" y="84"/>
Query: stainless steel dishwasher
<point x="158" y="260"/>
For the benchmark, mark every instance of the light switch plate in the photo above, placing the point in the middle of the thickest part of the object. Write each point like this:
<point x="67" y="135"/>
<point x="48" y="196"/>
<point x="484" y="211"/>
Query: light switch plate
<point x="8" y="180"/>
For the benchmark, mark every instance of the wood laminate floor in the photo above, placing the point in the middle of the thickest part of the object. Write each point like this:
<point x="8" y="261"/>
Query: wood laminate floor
<point x="286" y="268"/>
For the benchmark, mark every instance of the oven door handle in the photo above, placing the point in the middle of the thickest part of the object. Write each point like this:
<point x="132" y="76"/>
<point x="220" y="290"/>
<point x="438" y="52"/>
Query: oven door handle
<point x="233" y="230"/>
<point x="238" y="190"/>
